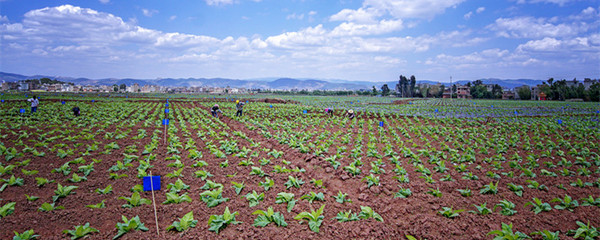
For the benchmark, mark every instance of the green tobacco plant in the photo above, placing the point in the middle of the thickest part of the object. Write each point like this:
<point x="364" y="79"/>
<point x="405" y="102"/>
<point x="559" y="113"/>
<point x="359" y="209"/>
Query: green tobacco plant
<point x="264" y="218"/>
<point x="106" y="190"/>
<point x="590" y="201"/>
<point x="508" y="208"/>
<point x="178" y="186"/>
<point x="565" y="204"/>
<point x="465" y="192"/>
<point x="346" y="216"/>
<point x="254" y="198"/>
<point x="538" y="206"/>
<point x="31" y="198"/>
<point x="267" y="184"/>
<point x="13" y="181"/>
<point x="62" y="192"/>
<point x="403" y="193"/>
<point x="288" y="198"/>
<point x="507" y="233"/>
<point x="128" y="225"/>
<point x="97" y="206"/>
<point x="173" y="197"/>
<point x="314" y="218"/>
<point x="293" y="182"/>
<point x="219" y="222"/>
<point x="490" y="188"/>
<point x="517" y="189"/>
<point x="449" y="212"/>
<point x="29" y="234"/>
<point x="482" y="209"/>
<point x="547" y="235"/>
<point x="7" y="209"/>
<point x="47" y="207"/>
<point x="584" y="231"/>
<point x="135" y="200"/>
<point x="184" y="223"/>
<point x="371" y="180"/>
<point x="341" y="198"/>
<point x="435" y="192"/>
<point x="81" y="231"/>
<point x="238" y="187"/>
<point x="213" y="197"/>
<point x="367" y="212"/>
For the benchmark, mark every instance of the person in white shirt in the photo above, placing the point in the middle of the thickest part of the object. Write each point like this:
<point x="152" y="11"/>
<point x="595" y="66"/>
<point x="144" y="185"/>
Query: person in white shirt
<point x="34" y="103"/>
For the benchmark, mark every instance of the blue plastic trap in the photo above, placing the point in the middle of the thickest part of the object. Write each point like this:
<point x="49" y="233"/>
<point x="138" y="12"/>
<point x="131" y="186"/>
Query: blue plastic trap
<point x="152" y="185"/>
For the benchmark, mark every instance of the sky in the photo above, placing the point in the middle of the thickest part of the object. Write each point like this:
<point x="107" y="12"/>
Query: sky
<point x="358" y="40"/>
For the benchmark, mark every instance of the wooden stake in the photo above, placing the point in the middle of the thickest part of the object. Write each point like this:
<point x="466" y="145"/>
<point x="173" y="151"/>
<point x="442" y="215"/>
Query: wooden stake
<point x="154" y="203"/>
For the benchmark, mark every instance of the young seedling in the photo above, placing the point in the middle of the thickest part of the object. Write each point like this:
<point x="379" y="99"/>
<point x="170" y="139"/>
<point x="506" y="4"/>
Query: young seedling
<point x="211" y="185"/>
<point x="267" y="184"/>
<point x="173" y="197"/>
<point x="367" y="212"/>
<point x="490" y="188"/>
<point x="264" y="218"/>
<point x="81" y="231"/>
<point x="288" y="198"/>
<point x="547" y="235"/>
<point x="435" y="192"/>
<point x="29" y="234"/>
<point x="465" y="192"/>
<point x="31" y="198"/>
<point x="314" y="218"/>
<point x="449" y="212"/>
<point x="97" y="206"/>
<point x="403" y="193"/>
<point x="213" y="197"/>
<point x="341" y="198"/>
<point x="346" y="216"/>
<point x="538" y="206"/>
<point x="590" y="201"/>
<point x="535" y="185"/>
<point x="371" y="180"/>
<point x="7" y="209"/>
<point x="584" y="231"/>
<point x="507" y="233"/>
<point x="517" y="189"/>
<point x="178" y="186"/>
<point x="507" y="208"/>
<point x="47" y="207"/>
<point x="254" y="198"/>
<point x="566" y="204"/>
<point x="184" y="223"/>
<point x="293" y="182"/>
<point x="62" y="192"/>
<point x="312" y="196"/>
<point x="202" y="174"/>
<point x="238" y="187"/>
<point x="134" y="201"/>
<point x="128" y="225"/>
<point x="482" y="209"/>
<point x="219" y="222"/>
<point x="13" y="181"/>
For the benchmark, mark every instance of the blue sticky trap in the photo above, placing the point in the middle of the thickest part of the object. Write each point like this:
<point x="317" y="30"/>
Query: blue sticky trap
<point x="436" y="110"/>
<point x="559" y="121"/>
<point x="26" y="95"/>
<point x="492" y="106"/>
<point x="126" y="96"/>
<point x="2" y="100"/>
<point x="22" y="110"/>
<point x="152" y="183"/>
<point x="271" y="106"/>
<point x="350" y="102"/>
<point x="166" y="105"/>
<point x="598" y="112"/>
<point x="381" y="124"/>
<point x="166" y="110"/>
<point x="357" y="100"/>
<point x="62" y="102"/>
<point x="246" y="101"/>
<point x="93" y="100"/>
<point x="304" y="111"/>
<point x="165" y="122"/>
<point x="516" y="113"/>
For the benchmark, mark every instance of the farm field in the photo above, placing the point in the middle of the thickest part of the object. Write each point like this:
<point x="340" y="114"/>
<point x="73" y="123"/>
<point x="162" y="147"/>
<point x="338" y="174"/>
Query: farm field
<point x="431" y="169"/>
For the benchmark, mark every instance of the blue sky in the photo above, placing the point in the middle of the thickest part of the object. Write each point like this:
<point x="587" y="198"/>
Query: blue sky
<point x="367" y="40"/>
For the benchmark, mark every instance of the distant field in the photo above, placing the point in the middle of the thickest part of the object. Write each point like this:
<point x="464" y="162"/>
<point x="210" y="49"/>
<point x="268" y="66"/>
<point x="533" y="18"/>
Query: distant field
<point x="432" y="169"/>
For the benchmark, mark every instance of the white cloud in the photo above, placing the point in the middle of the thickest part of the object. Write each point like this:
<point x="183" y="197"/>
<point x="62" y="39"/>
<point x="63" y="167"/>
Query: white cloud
<point x="171" y="18"/>
<point x="398" y="9"/>
<point x="218" y="2"/>
<point x="104" y="1"/>
<point x="3" y="18"/>
<point x="468" y="15"/>
<point x="353" y="29"/>
<point x="149" y="12"/>
<point x="529" y="27"/>
<point x="480" y="10"/>
<point x="295" y="16"/>
<point x="559" y="2"/>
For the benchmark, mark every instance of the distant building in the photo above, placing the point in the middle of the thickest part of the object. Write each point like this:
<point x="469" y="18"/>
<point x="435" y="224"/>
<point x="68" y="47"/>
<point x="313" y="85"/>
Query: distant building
<point x="522" y="87"/>
<point x="463" y="91"/>
<point x="508" y="95"/>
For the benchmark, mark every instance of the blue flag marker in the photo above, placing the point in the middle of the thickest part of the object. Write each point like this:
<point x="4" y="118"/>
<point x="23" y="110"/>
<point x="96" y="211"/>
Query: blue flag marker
<point x="166" y="105"/>
<point x="516" y="113"/>
<point x="381" y="124"/>
<point x="559" y="121"/>
<point x="436" y="110"/>
<point x="26" y="95"/>
<point x="357" y="100"/>
<point x="126" y="96"/>
<point x="350" y="102"/>
<point x="165" y="122"/>
<point x="2" y="100"/>
<point x="22" y="110"/>
<point x="492" y="106"/>
<point x="304" y="111"/>
<point x="597" y="112"/>
<point x="93" y="100"/>
<point x="166" y="110"/>
<point x="271" y="106"/>
<point x="62" y="102"/>
<point x="152" y="183"/>
<point x="246" y="101"/>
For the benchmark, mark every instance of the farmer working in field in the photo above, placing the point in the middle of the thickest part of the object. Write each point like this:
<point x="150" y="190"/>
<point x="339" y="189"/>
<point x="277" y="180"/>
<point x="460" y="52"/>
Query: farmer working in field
<point x="215" y="110"/>
<point x="76" y="111"/>
<point x="34" y="103"/>
<point x="240" y="107"/>
<point x="350" y="114"/>
<point x="329" y="111"/>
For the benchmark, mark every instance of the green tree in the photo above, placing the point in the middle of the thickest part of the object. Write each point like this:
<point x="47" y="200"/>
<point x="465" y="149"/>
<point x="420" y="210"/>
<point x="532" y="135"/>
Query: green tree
<point x="524" y="93"/>
<point x="122" y="87"/>
<point x="115" y="87"/>
<point x="374" y="91"/>
<point x="385" y="90"/>
<point x="413" y="81"/>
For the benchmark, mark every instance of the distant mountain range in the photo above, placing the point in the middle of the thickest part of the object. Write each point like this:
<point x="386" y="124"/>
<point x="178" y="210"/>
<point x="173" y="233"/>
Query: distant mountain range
<point x="263" y="83"/>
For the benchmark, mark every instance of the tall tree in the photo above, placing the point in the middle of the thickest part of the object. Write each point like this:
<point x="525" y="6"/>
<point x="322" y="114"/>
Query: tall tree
<point x="413" y="82"/>
<point x="524" y="93"/>
<point x="115" y="87"/>
<point x="385" y="90"/>
<point x="123" y="86"/>
<point x="374" y="91"/>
